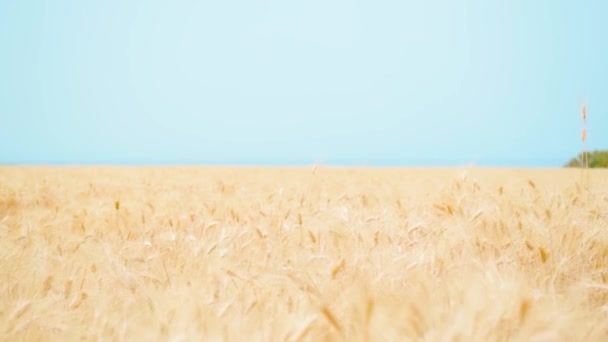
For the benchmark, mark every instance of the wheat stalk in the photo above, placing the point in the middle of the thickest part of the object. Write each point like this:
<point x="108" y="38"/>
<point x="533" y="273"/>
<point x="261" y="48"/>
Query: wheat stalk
<point x="584" y="157"/>
<point x="585" y="153"/>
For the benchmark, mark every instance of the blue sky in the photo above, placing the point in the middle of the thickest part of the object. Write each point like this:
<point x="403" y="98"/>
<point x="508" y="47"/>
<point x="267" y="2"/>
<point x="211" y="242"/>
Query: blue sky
<point x="496" y="83"/>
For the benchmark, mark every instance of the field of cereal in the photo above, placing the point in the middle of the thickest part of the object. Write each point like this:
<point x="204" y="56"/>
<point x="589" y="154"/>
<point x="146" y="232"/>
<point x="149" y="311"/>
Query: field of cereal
<point x="303" y="254"/>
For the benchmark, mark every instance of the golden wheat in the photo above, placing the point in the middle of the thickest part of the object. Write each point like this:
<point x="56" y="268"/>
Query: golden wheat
<point x="292" y="255"/>
<point x="584" y="152"/>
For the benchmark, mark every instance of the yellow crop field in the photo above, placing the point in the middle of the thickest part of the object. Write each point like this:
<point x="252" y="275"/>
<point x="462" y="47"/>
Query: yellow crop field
<point x="303" y="254"/>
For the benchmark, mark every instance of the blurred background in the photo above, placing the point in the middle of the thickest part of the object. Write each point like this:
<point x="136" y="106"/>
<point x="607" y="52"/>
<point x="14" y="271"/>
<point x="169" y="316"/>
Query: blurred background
<point x="265" y="82"/>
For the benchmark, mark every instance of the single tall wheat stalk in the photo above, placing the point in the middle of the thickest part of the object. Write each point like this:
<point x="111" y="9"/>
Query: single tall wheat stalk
<point x="584" y="153"/>
<point x="584" y="156"/>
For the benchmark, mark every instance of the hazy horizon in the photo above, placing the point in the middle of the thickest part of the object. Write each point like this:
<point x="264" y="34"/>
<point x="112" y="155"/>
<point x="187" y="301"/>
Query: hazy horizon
<point x="304" y="163"/>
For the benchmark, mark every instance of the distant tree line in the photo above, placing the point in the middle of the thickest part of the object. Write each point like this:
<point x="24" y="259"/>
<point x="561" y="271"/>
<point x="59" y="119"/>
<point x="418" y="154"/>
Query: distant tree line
<point x="595" y="159"/>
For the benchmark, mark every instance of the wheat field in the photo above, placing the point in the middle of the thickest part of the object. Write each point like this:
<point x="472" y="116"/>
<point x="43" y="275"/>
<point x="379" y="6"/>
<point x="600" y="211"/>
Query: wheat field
<point x="303" y="254"/>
